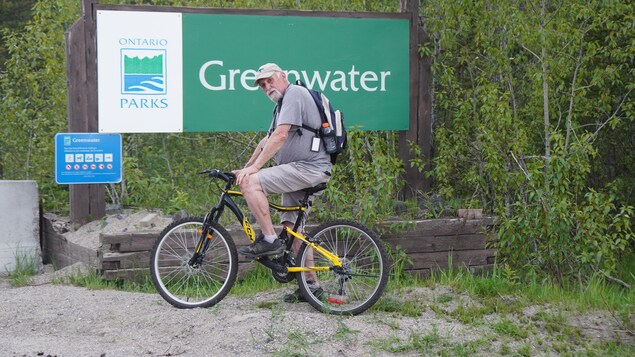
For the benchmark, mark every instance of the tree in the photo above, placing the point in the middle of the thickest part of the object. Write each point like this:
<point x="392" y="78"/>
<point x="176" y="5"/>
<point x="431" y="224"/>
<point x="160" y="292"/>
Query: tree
<point x="523" y="93"/>
<point x="13" y="15"/>
<point x="34" y="96"/>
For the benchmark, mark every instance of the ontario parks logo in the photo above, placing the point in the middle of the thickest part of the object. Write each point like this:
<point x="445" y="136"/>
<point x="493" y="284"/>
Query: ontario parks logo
<point x="143" y="71"/>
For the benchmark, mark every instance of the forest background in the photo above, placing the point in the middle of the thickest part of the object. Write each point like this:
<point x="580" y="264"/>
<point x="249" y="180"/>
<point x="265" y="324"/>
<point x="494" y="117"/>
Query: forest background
<point x="533" y="121"/>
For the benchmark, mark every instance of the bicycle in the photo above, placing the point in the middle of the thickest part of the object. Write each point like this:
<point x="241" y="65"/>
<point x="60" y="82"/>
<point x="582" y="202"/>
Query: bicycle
<point x="194" y="261"/>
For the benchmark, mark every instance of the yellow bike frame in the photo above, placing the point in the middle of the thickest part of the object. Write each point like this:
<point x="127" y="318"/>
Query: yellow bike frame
<point x="324" y="252"/>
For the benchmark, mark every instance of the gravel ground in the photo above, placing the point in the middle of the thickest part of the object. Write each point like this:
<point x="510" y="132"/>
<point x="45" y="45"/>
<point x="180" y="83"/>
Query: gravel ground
<point x="46" y="319"/>
<point x="62" y="320"/>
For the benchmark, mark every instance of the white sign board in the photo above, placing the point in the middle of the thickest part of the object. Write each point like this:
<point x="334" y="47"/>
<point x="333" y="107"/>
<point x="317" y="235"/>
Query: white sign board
<point x="133" y="71"/>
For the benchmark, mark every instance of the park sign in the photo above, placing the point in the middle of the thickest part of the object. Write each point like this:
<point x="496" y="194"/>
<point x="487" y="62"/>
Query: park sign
<point x="162" y="71"/>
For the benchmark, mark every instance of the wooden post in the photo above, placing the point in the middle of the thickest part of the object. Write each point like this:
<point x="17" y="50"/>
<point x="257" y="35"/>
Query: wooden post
<point x="87" y="200"/>
<point x="420" y="131"/>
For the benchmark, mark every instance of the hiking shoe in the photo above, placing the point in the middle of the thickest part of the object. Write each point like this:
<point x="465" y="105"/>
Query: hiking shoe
<point x="297" y="296"/>
<point x="262" y="248"/>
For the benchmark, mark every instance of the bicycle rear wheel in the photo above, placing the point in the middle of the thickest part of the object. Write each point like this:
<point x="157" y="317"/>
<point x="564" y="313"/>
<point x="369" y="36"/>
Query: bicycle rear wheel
<point x="187" y="285"/>
<point x="356" y="286"/>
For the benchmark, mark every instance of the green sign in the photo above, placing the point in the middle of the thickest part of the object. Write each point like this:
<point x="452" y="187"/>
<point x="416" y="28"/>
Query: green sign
<point x="194" y="72"/>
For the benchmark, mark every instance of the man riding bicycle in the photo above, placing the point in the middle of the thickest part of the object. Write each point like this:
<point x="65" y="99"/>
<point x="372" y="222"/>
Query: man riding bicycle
<point x="300" y="159"/>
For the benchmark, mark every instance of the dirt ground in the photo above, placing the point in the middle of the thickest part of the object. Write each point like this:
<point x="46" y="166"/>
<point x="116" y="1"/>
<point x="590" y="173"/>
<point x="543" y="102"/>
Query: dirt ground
<point x="48" y="319"/>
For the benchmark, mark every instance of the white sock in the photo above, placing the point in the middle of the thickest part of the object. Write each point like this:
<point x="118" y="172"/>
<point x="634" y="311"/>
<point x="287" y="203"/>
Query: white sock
<point x="270" y="239"/>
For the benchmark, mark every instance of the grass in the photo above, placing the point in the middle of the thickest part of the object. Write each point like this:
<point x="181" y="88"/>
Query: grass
<point x="501" y="292"/>
<point x="415" y="342"/>
<point x="345" y="333"/>
<point x="26" y="267"/>
<point x="508" y="327"/>
<point x="92" y="280"/>
<point x="411" y="308"/>
<point x="255" y="280"/>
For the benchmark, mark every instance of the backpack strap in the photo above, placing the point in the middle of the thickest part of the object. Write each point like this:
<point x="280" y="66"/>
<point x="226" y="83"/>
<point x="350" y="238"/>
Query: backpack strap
<point x="277" y="109"/>
<point x="313" y="130"/>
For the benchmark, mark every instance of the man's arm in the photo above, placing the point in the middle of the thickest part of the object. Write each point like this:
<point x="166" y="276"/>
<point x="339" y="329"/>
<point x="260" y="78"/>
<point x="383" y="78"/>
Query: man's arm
<point x="257" y="151"/>
<point x="270" y="147"/>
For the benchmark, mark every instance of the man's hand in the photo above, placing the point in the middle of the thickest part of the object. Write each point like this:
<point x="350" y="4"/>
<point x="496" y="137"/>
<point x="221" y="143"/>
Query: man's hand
<point x="242" y="176"/>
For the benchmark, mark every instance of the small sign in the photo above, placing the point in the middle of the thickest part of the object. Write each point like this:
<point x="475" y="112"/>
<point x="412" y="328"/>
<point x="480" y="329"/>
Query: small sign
<point x="85" y="158"/>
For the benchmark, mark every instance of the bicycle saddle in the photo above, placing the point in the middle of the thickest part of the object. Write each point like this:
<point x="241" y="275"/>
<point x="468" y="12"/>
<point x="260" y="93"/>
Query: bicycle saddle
<point x="315" y="189"/>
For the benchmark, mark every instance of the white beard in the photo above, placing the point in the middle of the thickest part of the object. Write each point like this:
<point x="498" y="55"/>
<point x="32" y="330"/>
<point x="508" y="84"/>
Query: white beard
<point x="275" y="96"/>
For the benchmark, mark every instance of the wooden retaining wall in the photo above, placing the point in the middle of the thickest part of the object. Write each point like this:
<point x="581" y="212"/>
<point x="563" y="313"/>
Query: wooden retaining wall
<point x="62" y="252"/>
<point x="430" y="244"/>
<point x="437" y="243"/>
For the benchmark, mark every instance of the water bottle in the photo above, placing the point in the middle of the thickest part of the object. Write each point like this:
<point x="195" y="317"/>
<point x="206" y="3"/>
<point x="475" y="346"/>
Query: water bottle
<point x="328" y="135"/>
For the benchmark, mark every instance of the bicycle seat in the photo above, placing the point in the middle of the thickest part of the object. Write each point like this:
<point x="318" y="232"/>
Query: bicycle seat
<point x="315" y="189"/>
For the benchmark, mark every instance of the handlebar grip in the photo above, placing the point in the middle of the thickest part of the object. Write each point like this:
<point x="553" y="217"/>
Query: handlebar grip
<point x="228" y="177"/>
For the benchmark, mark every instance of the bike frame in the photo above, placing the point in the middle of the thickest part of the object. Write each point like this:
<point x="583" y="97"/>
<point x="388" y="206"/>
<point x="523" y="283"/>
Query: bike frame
<point x="227" y="201"/>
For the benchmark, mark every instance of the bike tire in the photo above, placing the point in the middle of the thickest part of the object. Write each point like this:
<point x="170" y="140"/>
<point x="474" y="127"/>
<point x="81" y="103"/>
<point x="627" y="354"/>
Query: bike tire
<point x="185" y="286"/>
<point x="364" y="277"/>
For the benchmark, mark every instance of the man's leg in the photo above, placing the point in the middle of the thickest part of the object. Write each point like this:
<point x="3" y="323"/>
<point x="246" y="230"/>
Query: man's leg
<point x="259" y="207"/>
<point x="258" y="204"/>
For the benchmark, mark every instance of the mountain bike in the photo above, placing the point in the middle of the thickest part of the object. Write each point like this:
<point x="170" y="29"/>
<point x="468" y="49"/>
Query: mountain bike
<point x="194" y="261"/>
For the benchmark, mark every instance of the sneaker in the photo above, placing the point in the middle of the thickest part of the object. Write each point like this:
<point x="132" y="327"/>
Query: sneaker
<point x="263" y="248"/>
<point x="297" y="296"/>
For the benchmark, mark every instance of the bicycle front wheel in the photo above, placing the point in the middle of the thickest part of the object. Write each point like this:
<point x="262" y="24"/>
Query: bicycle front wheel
<point x="186" y="284"/>
<point x="359" y="283"/>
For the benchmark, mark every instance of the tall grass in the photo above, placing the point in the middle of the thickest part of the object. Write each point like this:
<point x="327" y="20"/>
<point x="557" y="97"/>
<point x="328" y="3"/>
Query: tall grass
<point x="26" y="267"/>
<point x="500" y="290"/>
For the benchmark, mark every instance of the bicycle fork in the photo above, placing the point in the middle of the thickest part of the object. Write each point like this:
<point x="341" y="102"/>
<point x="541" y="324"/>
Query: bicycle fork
<point x="205" y="233"/>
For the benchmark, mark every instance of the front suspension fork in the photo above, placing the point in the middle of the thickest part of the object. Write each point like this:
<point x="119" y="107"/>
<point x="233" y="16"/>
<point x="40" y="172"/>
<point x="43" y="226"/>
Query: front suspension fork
<point x="205" y="236"/>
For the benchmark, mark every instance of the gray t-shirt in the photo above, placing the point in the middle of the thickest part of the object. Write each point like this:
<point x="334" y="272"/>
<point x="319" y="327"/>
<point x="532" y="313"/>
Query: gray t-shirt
<point x="298" y="107"/>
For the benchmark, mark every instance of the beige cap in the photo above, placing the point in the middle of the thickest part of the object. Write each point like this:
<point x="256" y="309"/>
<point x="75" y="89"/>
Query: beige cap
<point x="266" y="70"/>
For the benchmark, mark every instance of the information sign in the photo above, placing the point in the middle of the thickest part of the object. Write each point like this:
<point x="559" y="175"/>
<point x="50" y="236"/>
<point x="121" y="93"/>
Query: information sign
<point x="86" y="158"/>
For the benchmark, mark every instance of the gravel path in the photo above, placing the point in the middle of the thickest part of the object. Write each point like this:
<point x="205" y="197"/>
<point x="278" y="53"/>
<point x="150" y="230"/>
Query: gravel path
<point x="48" y="319"/>
<point x="72" y="321"/>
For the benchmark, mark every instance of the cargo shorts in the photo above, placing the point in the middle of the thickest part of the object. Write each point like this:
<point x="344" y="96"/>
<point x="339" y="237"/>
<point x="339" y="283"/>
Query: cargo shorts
<point x="289" y="180"/>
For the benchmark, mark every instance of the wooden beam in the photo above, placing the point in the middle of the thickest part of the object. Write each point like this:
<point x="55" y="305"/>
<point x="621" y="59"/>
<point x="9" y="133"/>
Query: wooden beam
<point x="88" y="202"/>
<point x="420" y="129"/>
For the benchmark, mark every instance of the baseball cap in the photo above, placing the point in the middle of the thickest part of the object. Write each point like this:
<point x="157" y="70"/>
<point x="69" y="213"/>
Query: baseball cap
<point x="266" y="70"/>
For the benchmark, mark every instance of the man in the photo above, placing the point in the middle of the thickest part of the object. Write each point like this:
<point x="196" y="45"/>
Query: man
<point x="299" y="164"/>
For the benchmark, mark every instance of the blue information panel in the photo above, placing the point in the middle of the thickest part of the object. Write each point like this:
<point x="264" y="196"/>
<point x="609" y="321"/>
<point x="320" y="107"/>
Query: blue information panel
<point x="83" y="158"/>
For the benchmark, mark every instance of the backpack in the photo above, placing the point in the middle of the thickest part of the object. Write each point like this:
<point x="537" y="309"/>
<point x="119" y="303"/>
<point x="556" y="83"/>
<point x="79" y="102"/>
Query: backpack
<point x="335" y="118"/>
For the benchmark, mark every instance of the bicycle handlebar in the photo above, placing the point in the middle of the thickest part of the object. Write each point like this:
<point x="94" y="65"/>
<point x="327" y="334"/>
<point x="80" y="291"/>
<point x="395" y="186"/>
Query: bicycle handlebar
<point x="228" y="177"/>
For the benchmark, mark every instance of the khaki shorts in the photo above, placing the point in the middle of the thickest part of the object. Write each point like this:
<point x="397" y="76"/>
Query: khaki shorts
<point x="289" y="180"/>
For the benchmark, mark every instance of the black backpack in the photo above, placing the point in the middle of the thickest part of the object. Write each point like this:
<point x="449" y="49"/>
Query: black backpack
<point x="334" y="118"/>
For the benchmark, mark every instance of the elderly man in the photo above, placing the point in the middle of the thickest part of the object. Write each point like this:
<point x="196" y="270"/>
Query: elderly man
<point x="299" y="163"/>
